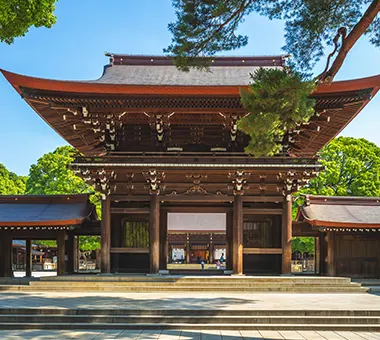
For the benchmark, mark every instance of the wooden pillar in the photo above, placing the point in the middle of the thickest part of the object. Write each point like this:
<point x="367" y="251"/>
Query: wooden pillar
<point x="76" y="253"/>
<point x="28" y="258"/>
<point x="317" y="256"/>
<point x="154" y="235"/>
<point x="70" y="253"/>
<point x="118" y="239"/>
<point x="287" y="236"/>
<point x="229" y="237"/>
<point x="322" y="253"/>
<point x="237" y="239"/>
<point x="61" y="253"/>
<point x="105" y="232"/>
<point x="163" y="240"/>
<point x="187" y="249"/>
<point x="6" y="252"/>
<point x="211" y="251"/>
<point x="331" y="267"/>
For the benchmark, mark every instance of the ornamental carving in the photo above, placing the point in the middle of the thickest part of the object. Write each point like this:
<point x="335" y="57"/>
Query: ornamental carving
<point x="239" y="182"/>
<point x="154" y="179"/>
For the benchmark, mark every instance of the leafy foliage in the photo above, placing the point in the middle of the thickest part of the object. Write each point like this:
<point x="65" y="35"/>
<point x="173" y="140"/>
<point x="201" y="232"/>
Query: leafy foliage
<point x="46" y="243"/>
<point x="206" y="27"/>
<point x="52" y="176"/>
<point x="351" y="168"/>
<point x="10" y="183"/>
<point x="303" y="244"/>
<point x="17" y="16"/>
<point x="277" y="100"/>
<point x="89" y="243"/>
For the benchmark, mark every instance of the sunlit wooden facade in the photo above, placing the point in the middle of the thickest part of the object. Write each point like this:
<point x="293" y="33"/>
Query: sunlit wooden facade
<point x="155" y="140"/>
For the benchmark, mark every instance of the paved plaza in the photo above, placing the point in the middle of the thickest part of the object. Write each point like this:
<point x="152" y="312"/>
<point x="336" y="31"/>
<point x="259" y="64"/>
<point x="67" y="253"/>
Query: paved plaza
<point x="190" y="300"/>
<point x="141" y="334"/>
<point x="158" y="301"/>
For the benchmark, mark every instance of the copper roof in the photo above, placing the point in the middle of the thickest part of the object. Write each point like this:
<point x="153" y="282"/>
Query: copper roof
<point x="45" y="210"/>
<point x="344" y="212"/>
<point x="138" y="84"/>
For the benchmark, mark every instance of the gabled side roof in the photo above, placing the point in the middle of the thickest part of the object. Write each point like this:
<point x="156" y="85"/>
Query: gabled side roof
<point x="45" y="210"/>
<point x="344" y="212"/>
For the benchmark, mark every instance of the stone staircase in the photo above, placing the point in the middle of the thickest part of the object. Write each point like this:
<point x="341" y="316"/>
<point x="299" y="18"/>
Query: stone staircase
<point x="39" y="318"/>
<point x="151" y="284"/>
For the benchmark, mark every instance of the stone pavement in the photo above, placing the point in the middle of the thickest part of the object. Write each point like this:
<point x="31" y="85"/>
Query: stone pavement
<point x="190" y="300"/>
<point x="187" y="335"/>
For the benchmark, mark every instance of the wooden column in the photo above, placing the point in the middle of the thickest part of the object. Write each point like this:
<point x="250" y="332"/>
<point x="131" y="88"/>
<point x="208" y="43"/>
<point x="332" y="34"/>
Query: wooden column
<point x="237" y="239"/>
<point x="6" y="255"/>
<point x="163" y="240"/>
<point x="211" y="251"/>
<point x="105" y="232"/>
<point x="61" y="253"/>
<point x="187" y="249"/>
<point x="70" y="253"/>
<point x="28" y="258"/>
<point x="317" y="256"/>
<point x="154" y="235"/>
<point x="118" y="240"/>
<point x="322" y="253"/>
<point x="76" y="253"/>
<point x="286" y="235"/>
<point x="229" y="237"/>
<point x="331" y="241"/>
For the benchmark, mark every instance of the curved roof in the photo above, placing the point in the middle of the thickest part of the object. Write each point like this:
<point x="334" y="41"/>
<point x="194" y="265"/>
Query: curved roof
<point x="46" y="210"/>
<point x="139" y="84"/>
<point x="354" y="212"/>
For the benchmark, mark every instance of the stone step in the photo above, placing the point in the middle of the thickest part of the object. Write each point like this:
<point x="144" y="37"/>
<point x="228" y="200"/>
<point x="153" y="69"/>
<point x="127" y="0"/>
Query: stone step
<point x="192" y="288"/>
<point x="189" y="320"/>
<point x="209" y="326"/>
<point x="187" y="312"/>
<point x="187" y="283"/>
<point x="201" y="279"/>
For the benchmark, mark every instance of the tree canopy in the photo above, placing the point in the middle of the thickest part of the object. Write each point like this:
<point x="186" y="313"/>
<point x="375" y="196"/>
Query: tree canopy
<point x="206" y="27"/>
<point x="10" y="183"/>
<point x="52" y="176"/>
<point x="351" y="168"/>
<point x="17" y="16"/>
<point x="277" y="102"/>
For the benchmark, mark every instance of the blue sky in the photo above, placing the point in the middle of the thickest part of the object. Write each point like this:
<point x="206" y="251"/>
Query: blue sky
<point x="74" y="49"/>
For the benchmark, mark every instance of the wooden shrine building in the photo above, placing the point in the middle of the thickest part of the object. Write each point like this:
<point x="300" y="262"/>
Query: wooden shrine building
<point x="156" y="141"/>
<point x="347" y="231"/>
<point x="52" y="217"/>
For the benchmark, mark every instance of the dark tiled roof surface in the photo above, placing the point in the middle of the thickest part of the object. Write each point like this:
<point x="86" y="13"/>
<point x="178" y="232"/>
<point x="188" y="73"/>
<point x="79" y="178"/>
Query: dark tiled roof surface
<point x="170" y="75"/>
<point x="24" y="212"/>
<point x="360" y="211"/>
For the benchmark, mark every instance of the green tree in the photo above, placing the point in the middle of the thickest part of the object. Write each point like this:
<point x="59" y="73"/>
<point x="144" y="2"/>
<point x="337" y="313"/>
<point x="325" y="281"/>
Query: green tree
<point x="17" y="16"/>
<point x="52" y="176"/>
<point x="205" y="27"/>
<point x="303" y="244"/>
<point x="10" y="183"/>
<point x="277" y="102"/>
<point x="351" y="168"/>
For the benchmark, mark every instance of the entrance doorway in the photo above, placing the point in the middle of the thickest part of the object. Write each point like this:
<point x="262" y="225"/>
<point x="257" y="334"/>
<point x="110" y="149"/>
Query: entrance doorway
<point x="197" y="242"/>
